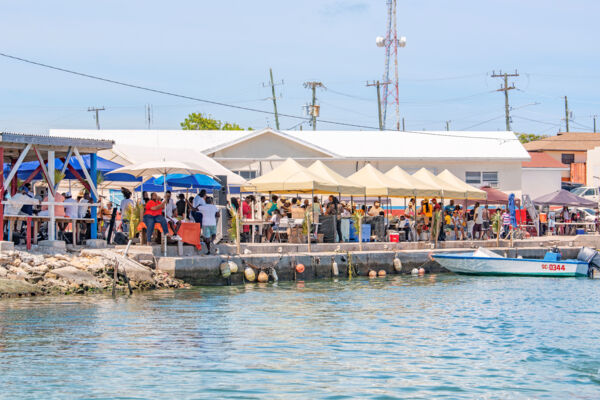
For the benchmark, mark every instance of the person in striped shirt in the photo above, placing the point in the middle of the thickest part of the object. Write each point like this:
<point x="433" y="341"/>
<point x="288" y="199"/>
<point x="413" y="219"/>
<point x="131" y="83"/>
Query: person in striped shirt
<point x="505" y="223"/>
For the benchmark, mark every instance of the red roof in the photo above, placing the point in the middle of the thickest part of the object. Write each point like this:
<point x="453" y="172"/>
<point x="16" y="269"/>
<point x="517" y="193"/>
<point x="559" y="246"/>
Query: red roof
<point x="542" y="160"/>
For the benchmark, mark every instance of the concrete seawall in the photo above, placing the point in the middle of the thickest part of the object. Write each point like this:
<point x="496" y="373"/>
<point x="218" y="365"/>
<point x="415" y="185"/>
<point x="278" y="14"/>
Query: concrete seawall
<point x="204" y="270"/>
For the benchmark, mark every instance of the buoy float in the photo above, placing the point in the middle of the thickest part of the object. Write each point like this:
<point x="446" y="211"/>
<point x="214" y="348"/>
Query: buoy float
<point x="335" y="271"/>
<point x="414" y="271"/>
<point x="225" y="271"/>
<point x="381" y="273"/>
<point x="233" y="267"/>
<point x="263" y="277"/>
<point x="274" y="275"/>
<point x="421" y="271"/>
<point x="300" y="268"/>
<point x="372" y="274"/>
<point x="397" y="264"/>
<point x="249" y="274"/>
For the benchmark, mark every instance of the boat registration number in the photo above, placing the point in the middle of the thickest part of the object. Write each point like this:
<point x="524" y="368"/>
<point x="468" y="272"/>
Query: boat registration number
<point x="553" y="267"/>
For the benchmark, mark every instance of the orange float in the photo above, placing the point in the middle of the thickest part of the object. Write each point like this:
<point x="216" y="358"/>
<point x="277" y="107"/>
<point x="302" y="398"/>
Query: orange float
<point x="300" y="268"/>
<point x="372" y="274"/>
<point x="381" y="273"/>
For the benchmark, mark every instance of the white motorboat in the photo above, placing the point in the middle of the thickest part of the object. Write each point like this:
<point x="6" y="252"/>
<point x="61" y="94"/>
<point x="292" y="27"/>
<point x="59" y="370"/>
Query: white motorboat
<point x="486" y="262"/>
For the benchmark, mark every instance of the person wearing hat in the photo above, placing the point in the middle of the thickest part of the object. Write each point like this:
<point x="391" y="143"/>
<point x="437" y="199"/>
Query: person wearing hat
<point x="71" y="210"/>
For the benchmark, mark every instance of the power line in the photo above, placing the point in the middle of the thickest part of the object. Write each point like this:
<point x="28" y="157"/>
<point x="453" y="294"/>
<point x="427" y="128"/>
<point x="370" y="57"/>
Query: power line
<point x="164" y="92"/>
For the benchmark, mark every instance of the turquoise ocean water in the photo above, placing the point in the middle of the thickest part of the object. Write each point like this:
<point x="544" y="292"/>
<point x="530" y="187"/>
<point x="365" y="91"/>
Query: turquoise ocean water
<point x="438" y="336"/>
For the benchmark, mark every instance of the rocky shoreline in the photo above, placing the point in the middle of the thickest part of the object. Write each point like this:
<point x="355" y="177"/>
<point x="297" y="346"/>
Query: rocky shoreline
<point x="25" y="273"/>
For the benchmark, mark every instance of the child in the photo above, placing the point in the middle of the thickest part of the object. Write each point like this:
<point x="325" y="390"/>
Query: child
<point x="275" y="220"/>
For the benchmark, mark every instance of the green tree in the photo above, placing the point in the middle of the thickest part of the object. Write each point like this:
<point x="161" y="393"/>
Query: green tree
<point x="530" y="137"/>
<point x="199" y="121"/>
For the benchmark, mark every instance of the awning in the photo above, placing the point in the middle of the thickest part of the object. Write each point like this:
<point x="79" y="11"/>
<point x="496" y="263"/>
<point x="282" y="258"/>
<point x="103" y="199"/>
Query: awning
<point x="345" y="186"/>
<point x="564" y="198"/>
<point x="378" y="184"/>
<point x="290" y="177"/>
<point x="449" y="191"/>
<point x="421" y="189"/>
<point x="469" y="191"/>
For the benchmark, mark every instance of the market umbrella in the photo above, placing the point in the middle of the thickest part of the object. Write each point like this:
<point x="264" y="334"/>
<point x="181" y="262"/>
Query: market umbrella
<point x="196" y="181"/>
<point x="164" y="168"/>
<point x="564" y="198"/>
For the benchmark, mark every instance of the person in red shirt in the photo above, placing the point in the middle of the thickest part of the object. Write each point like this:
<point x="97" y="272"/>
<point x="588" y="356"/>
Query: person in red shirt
<point x="247" y="214"/>
<point x="153" y="215"/>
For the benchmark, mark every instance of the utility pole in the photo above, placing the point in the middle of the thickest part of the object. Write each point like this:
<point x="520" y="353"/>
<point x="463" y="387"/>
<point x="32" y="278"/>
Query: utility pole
<point x="274" y="98"/>
<point x="594" y="117"/>
<point x="378" y="85"/>
<point x="314" y="111"/>
<point x="96" y="110"/>
<point x="149" y="115"/>
<point x="448" y="125"/>
<point x="403" y="128"/>
<point x="566" y="114"/>
<point x="505" y="89"/>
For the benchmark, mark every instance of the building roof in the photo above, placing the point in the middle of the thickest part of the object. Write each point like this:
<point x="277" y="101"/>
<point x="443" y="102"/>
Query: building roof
<point x="543" y="160"/>
<point x="360" y="145"/>
<point x="566" y="141"/>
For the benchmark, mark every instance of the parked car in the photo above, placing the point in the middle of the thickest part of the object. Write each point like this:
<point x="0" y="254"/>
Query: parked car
<point x="587" y="192"/>
<point x="570" y="186"/>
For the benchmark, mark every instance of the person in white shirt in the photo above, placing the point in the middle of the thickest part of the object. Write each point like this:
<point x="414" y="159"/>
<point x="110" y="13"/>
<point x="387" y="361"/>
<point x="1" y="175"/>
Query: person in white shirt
<point x="171" y="215"/>
<point x="210" y="213"/>
<point x="71" y="210"/>
<point x="83" y="208"/>
<point x="199" y="201"/>
<point x="23" y="203"/>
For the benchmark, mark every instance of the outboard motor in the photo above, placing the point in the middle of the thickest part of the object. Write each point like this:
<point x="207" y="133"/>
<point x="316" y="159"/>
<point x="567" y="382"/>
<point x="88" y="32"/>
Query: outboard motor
<point x="592" y="257"/>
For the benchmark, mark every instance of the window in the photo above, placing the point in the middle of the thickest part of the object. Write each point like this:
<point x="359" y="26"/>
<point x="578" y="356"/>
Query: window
<point x="473" y="177"/>
<point x="567" y="158"/>
<point x="590" y="192"/>
<point x="246" y="174"/>
<point x="490" y="178"/>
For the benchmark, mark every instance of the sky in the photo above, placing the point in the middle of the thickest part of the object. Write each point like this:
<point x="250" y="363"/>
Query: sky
<point x="222" y="51"/>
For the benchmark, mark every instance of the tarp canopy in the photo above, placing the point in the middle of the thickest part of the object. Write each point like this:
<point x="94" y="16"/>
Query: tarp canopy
<point x="345" y="186"/>
<point x="197" y="181"/>
<point x="290" y="177"/>
<point x="127" y="154"/>
<point x="104" y="166"/>
<point x="563" y="198"/>
<point x="378" y="184"/>
<point x="449" y="191"/>
<point x="470" y="192"/>
<point x="421" y="189"/>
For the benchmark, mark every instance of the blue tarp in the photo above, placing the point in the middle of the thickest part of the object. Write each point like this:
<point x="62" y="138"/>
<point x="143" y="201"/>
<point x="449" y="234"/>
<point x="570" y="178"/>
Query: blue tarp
<point x="197" y="181"/>
<point x="103" y="165"/>
<point x="512" y="210"/>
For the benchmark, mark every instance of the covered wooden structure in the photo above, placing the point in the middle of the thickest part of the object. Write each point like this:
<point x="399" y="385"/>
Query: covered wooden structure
<point x="18" y="148"/>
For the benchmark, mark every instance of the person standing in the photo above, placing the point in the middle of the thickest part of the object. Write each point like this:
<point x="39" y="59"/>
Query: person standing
<point x="477" y="222"/>
<point x="246" y="215"/>
<point x="171" y="215"/>
<point x="199" y="201"/>
<point x="210" y="214"/>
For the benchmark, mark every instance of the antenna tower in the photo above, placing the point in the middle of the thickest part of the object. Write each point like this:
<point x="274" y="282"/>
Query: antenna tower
<point x="391" y="43"/>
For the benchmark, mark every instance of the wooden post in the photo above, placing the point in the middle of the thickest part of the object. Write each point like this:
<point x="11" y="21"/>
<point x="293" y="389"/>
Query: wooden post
<point x="1" y="193"/>
<point x="51" y="196"/>
<point x="94" y="209"/>
<point x="360" y="218"/>
<point x="237" y="230"/>
<point x="309" y="225"/>
<point x="28" y="227"/>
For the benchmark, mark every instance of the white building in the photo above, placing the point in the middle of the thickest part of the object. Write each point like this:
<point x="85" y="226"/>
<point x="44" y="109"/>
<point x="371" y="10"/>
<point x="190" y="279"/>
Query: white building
<point x="481" y="158"/>
<point x="542" y="174"/>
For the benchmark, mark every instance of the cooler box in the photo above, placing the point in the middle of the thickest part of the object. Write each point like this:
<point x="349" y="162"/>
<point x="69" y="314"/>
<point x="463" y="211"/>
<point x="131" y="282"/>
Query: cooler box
<point x="394" y="237"/>
<point x="366" y="233"/>
<point x="580" y="231"/>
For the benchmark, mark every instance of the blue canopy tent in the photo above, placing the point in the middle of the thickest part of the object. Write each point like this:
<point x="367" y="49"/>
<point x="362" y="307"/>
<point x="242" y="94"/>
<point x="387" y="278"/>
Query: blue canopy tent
<point x="104" y="166"/>
<point x="151" y="186"/>
<point x="197" y="181"/>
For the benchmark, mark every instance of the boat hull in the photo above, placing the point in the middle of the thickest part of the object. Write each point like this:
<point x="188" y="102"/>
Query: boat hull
<point x="467" y="264"/>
